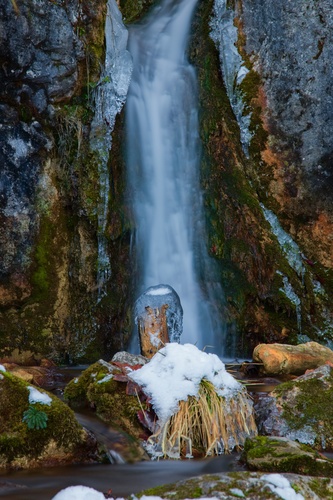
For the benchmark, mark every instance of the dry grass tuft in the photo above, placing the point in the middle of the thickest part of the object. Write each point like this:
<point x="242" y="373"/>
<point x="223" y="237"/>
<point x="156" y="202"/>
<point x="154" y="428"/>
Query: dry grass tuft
<point x="209" y="424"/>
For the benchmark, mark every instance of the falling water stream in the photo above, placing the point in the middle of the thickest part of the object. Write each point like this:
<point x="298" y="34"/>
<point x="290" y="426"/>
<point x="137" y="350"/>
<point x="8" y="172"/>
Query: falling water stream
<point x="163" y="166"/>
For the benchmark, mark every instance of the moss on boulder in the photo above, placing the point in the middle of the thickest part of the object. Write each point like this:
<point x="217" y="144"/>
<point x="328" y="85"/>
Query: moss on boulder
<point x="98" y="388"/>
<point x="301" y="409"/>
<point x="250" y="485"/>
<point x="277" y="454"/>
<point x="63" y="440"/>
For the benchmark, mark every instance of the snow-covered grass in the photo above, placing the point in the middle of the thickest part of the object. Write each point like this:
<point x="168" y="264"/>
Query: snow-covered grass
<point x="197" y="403"/>
<point x="175" y="373"/>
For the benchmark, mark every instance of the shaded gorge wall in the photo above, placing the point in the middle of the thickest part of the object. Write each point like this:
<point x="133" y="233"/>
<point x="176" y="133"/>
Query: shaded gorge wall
<point x="268" y="206"/>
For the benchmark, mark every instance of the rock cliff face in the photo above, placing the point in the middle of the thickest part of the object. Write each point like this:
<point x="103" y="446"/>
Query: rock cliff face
<point x="268" y="204"/>
<point x="290" y="45"/>
<point x="51" y="55"/>
<point x="275" y="69"/>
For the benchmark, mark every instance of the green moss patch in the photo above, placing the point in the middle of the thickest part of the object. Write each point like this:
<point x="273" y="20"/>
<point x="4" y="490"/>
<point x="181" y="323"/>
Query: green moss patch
<point x="248" y="485"/>
<point x="132" y="10"/>
<point x="307" y="403"/>
<point x="97" y="389"/>
<point x="271" y="454"/>
<point x="21" y="445"/>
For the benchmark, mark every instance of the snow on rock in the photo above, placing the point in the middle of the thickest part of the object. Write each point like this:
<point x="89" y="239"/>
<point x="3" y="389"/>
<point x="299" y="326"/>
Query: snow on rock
<point x="156" y="297"/>
<point x="175" y="372"/>
<point x="38" y="397"/>
<point x="79" y="493"/>
<point x="2" y="368"/>
<point x="280" y="485"/>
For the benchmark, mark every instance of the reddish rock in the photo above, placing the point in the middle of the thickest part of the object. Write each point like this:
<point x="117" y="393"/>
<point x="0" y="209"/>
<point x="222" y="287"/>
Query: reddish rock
<point x="283" y="359"/>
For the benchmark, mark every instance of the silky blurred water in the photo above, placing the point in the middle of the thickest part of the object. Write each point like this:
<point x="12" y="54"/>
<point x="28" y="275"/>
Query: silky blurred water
<point x="163" y="169"/>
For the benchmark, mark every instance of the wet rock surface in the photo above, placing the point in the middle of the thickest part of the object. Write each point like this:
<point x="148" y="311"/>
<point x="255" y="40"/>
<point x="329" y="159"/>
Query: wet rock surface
<point x="291" y="48"/>
<point x="39" y="54"/>
<point x="300" y="409"/>
<point x="105" y="388"/>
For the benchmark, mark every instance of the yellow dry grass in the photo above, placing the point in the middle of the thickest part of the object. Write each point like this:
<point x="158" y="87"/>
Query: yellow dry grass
<point x="208" y="424"/>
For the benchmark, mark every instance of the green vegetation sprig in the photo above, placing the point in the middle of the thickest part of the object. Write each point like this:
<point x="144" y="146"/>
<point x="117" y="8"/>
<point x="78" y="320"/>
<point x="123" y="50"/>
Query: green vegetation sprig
<point x="34" y="418"/>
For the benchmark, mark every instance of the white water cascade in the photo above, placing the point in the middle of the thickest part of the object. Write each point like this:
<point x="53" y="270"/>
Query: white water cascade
<point x="163" y="168"/>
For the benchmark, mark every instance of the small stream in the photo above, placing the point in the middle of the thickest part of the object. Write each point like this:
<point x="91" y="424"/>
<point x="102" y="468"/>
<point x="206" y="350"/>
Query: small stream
<point x="122" y="479"/>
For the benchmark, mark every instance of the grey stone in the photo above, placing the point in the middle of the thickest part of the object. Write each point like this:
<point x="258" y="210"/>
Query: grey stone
<point x="131" y="359"/>
<point x="293" y="43"/>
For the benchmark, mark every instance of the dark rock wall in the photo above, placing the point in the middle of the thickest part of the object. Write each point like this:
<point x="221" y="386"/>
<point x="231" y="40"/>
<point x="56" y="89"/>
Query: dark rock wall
<point x="50" y="54"/>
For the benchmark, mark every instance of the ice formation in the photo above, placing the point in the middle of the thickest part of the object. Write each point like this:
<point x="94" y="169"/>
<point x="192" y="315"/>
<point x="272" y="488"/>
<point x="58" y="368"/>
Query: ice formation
<point x="294" y="299"/>
<point x="225" y="34"/>
<point x="110" y="96"/>
<point x="156" y="297"/>
<point x="289" y="247"/>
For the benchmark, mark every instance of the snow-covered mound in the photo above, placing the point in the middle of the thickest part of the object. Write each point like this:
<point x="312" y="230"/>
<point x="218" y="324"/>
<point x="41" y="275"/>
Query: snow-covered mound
<point x="175" y="372"/>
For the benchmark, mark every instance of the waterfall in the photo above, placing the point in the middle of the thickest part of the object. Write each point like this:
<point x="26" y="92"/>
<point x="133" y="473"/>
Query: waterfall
<point x="163" y="159"/>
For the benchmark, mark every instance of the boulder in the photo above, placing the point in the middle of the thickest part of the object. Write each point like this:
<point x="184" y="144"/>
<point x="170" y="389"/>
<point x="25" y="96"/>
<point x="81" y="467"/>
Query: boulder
<point x="47" y="378"/>
<point x="105" y="388"/>
<point x="283" y="359"/>
<point x="300" y="409"/>
<point x="37" y="429"/>
<point x="278" y="454"/>
<point x="129" y="359"/>
<point x="249" y="485"/>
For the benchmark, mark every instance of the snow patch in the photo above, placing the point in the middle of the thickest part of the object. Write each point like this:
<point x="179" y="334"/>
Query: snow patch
<point x="158" y="290"/>
<point x="237" y="492"/>
<point x="79" y="493"/>
<point x="105" y="379"/>
<point x="175" y="372"/>
<point x="2" y="368"/>
<point x="38" y="397"/>
<point x="280" y="485"/>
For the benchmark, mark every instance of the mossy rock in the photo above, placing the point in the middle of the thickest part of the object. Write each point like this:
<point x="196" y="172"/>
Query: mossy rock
<point x="301" y="409"/>
<point x="250" y="485"/>
<point x="278" y="454"/>
<point x="63" y="440"/>
<point x="96" y="388"/>
<point x="132" y="10"/>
